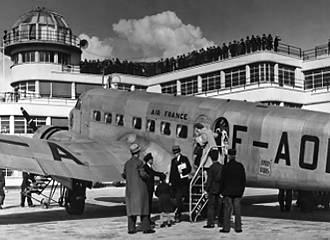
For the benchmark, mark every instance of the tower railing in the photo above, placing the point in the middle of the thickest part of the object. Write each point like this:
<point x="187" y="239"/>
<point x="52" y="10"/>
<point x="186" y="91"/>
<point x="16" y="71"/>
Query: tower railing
<point x="63" y="36"/>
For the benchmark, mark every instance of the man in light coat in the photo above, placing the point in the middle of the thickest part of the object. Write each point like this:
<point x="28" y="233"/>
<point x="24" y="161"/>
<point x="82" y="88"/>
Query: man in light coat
<point x="137" y="203"/>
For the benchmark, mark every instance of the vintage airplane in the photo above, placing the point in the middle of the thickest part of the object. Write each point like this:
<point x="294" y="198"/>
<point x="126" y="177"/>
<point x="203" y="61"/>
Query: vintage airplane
<point x="279" y="147"/>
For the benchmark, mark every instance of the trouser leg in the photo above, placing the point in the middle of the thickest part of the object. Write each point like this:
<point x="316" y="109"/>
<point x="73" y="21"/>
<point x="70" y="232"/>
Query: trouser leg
<point x="227" y="213"/>
<point x="179" y="203"/>
<point x="281" y="199"/>
<point x="238" y="218"/>
<point x="288" y="199"/>
<point x="131" y="223"/>
<point x="150" y="204"/>
<point x="211" y="208"/>
<point x="22" y="198"/>
<point x="145" y="223"/>
<point x="220" y="211"/>
<point x="29" y="199"/>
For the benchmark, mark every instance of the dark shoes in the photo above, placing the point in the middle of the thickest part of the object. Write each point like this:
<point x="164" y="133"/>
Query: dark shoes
<point x="162" y="225"/>
<point x="239" y="230"/>
<point x="208" y="226"/>
<point x="149" y="231"/>
<point x="132" y="232"/>
<point x="224" y="231"/>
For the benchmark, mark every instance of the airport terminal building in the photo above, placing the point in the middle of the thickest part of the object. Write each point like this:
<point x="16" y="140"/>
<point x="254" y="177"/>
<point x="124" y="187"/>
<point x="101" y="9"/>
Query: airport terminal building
<point x="46" y="77"/>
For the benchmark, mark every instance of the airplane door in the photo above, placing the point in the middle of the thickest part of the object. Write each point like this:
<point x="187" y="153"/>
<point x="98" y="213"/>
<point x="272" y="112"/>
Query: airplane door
<point x="221" y="127"/>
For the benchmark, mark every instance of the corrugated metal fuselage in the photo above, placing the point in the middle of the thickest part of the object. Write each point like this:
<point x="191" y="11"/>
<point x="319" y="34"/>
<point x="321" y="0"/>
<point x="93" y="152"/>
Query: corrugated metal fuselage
<point x="279" y="147"/>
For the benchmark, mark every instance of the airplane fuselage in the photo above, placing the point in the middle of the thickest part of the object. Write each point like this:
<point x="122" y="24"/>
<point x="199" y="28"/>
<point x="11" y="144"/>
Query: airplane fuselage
<point x="279" y="147"/>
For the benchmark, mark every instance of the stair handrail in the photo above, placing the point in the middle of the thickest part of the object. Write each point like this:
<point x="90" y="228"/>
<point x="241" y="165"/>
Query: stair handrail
<point x="200" y="168"/>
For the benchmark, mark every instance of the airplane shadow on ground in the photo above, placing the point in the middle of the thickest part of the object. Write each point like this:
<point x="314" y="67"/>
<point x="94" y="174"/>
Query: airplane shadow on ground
<point x="93" y="211"/>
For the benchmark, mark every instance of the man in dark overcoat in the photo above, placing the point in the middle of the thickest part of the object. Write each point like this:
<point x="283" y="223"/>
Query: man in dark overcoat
<point x="213" y="191"/>
<point x="232" y="188"/>
<point x="179" y="179"/>
<point x="148" y="159"/>
<point x="137" y="203"/>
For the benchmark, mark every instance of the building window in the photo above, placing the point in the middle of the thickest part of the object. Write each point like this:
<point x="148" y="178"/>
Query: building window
<point x="181" y="131"/>
<point x="262" y="72"/>
<point x="235" y="77"/>
<point x="19" y="125"/>
<point x="46" y="56"/>
<point x="108" y="118"/>
<point x="286" y="75"/>
<point x="165" y="128"/>
<point x="169" y="87"/>
<point x="211" y="81"/>
<point x="4" y="124"/>
<point x="150" y="127"/>
<point x="61" y="89"/>
<point x="317" y="78"/>
<point x="189" y="86"/>
<point x="120" y="120"/>
<point x="137" y="123"/>
<point x="97" y="116"/>
<point x="28" y="57"/>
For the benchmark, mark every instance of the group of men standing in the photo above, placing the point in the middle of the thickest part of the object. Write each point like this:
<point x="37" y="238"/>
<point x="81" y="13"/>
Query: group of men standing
<point x="227" y="180"/>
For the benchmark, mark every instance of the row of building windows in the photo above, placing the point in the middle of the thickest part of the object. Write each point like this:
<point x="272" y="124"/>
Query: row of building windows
<point x="21" y="126"/>
<point x="259" y="72"/>
<point x="165" y="127"/>
<point x="42" y="56"/>
<point x="317" y="78"/>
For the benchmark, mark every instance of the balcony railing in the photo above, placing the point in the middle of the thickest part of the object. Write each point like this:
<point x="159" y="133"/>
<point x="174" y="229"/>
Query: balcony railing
<point x="56" y="36"/>
<point x="317" y="52"/>
<point x="289" y="50"/>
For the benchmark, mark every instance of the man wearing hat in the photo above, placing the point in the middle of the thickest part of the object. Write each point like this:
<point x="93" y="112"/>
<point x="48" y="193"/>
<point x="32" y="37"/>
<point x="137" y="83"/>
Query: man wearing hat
<point x="232" y="187"/>
<point x="148" y="159"/>
<point x="179" y="181"/>
<point x="136" y="191"/>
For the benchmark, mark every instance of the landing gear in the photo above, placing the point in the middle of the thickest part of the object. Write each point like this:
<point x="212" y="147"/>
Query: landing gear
<point x="75" y="198"/>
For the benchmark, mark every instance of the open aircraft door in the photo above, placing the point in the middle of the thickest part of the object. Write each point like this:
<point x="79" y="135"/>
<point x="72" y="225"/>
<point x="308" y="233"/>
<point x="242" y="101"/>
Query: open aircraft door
<point x="221" y="128"/>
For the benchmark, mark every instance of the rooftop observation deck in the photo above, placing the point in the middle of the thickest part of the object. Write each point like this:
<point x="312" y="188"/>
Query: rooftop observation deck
<point x="42" y="36"/>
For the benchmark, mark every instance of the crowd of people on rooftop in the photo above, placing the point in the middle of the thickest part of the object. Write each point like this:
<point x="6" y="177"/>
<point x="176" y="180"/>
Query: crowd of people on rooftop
<point x="197" y="57"/>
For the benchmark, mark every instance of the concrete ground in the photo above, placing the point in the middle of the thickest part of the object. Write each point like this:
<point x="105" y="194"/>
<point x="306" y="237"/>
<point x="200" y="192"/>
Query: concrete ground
<point x="105" y="218"/>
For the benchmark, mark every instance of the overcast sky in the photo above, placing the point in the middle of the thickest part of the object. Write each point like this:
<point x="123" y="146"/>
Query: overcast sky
<point x="153" y="29"/>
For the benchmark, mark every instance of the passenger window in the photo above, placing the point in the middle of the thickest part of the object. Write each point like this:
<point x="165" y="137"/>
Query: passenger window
<point x="150" y="125"/>
<point x="97" y="116"/>
<point x="165" y="128"/>
<point x="108" y="118"/>
<point x="181" y="131"/>
<point x="120" y="120"/>
<point x="137" y="123"/>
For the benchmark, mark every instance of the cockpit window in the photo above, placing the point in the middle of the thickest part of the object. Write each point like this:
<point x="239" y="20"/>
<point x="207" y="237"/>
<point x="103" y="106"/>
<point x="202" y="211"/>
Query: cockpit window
<point x="78" y="104"/>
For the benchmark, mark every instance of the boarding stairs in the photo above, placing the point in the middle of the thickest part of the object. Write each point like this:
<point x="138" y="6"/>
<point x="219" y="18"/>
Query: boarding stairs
<point x="38" y="187"/>
<point x="197" y="194"/>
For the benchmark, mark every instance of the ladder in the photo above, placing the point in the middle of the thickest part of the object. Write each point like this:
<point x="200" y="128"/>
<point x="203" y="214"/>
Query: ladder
<point x="40" y="184"/>
<point x="197" y="195"/>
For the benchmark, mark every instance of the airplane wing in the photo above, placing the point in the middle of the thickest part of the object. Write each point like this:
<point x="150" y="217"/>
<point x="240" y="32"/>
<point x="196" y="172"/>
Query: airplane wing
<point x="80" y="159"/>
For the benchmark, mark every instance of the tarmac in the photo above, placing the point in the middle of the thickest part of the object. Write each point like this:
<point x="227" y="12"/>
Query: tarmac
<point x="104" y="218"/>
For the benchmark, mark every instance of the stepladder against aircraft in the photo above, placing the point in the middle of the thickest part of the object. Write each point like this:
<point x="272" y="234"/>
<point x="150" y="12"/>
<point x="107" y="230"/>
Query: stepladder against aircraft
<point x="279" y="147"/>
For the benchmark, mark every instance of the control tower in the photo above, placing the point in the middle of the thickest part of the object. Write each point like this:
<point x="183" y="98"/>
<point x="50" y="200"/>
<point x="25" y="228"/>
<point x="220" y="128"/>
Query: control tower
<point x="39" y="44"/>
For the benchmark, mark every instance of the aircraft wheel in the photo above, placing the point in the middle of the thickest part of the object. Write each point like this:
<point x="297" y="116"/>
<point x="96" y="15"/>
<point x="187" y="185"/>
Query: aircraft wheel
<point x="75" y="198"/>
